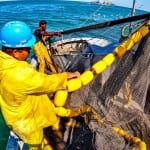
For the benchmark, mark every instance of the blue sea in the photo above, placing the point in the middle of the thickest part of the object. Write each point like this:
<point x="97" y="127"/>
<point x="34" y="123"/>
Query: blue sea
<point x="60" y="16"/>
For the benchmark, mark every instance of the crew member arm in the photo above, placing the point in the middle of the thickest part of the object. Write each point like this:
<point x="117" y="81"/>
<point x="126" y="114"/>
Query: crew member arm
<point x="28" y="81"/>
<point x="50" y="33"/>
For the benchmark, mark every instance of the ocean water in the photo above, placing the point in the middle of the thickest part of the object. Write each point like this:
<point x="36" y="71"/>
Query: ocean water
<point x="60" y="16"/>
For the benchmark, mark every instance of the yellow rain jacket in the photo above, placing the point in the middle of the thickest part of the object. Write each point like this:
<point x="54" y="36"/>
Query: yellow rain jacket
<point x="23" y="99"/>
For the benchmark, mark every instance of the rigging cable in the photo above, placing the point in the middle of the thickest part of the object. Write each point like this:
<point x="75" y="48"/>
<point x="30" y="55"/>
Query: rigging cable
<point x="89" y="18"/>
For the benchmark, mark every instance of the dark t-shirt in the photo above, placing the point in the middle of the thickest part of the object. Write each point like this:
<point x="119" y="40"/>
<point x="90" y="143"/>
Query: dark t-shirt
<point x="38" y="34"/>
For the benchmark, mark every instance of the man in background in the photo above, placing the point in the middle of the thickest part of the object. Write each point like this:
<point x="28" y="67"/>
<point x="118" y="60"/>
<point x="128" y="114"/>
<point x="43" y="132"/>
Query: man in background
<point x="41" y="49"/>
<point x="42" y="35"/>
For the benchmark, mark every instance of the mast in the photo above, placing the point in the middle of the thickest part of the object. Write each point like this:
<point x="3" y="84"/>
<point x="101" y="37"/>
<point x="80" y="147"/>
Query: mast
<point x="133" y="8"/>
<point x="132" y="14"/>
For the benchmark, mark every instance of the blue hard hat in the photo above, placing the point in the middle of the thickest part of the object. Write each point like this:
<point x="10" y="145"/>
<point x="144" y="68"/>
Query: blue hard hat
<point x="16" y="34"/>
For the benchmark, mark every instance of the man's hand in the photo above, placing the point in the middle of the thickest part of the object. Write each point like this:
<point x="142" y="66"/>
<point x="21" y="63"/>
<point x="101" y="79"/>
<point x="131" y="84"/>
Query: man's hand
<point x="73" y="75"/>
<point x="57" y="33"/>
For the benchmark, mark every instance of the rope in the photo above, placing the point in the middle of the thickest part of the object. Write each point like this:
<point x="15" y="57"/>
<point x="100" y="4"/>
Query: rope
<point x="88" y="109"/>
<point x="128" y="26"/>
<point x="88" y="18"/>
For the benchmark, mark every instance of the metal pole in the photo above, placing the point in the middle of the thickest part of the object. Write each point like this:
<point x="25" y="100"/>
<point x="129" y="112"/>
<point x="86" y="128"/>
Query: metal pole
<point x="132" y="14"/>
<point x="133" y="8"/>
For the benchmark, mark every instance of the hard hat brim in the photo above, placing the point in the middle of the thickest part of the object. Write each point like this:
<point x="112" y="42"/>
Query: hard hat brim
<point x="30" y="43"/>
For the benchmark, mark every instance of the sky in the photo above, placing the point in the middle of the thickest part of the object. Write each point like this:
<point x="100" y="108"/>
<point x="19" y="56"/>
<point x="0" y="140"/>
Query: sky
<point x="140" y="4"/>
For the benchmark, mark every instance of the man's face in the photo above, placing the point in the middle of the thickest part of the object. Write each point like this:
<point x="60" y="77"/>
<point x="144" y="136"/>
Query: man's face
<point x="21" y="53"/>
<point x="43" y="26"/>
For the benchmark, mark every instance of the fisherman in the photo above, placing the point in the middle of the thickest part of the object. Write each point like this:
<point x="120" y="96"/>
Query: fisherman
<point x="24" y="102"/>
<point x="42" y="50"/>
<point x="41" y="33"/>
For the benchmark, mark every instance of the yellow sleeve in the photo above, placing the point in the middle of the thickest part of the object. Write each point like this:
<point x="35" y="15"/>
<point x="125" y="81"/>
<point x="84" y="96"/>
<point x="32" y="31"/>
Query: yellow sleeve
<point x="29" y="81"/>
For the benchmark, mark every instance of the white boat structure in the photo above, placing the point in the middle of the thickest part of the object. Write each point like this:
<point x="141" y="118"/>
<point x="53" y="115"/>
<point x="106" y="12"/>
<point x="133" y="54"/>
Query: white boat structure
<point x="95" y="1"/>
<point x="85" y="50"/>
<point x="105" y="2"/>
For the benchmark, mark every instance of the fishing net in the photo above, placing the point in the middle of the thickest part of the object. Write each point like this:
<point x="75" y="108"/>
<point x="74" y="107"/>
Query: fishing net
<point x="122" y="100"/>
<point x="120" y="95"/>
